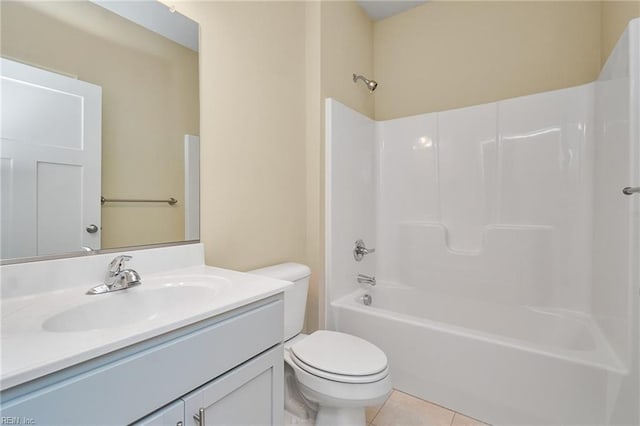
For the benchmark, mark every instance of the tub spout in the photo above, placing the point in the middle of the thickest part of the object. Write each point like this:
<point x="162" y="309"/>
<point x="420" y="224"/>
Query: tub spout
<point x="366" y="279"/>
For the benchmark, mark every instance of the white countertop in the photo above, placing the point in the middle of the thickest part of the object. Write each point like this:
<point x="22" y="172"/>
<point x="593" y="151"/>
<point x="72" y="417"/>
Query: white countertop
<point x="29" y="351"/>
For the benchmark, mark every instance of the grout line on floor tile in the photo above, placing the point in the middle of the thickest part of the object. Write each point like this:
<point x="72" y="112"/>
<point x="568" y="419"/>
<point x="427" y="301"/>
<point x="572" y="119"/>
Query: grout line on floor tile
<point x="380" y="407"/>
<point x="472" y="418"/>
<point x="430" y="402"/>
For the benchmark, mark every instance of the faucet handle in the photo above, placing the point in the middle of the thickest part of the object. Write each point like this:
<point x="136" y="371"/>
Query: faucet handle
<point x="117" y="263"/>
<point x="361" y="250"/>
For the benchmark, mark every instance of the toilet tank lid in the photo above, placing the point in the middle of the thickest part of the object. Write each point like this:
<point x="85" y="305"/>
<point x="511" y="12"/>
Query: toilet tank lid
<point x="284" y="271"/>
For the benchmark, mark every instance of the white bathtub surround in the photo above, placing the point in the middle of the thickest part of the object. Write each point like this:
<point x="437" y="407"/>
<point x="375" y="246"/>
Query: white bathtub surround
<point x="616" y="237"/>
<point x="350" y="196"/>
<point x="47" y="330"/>
<point x="507" y="255"/>
<point x="499" y="212"/>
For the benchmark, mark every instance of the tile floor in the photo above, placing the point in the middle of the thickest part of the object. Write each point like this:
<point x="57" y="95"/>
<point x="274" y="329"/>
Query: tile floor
<point x="402" y="409"/>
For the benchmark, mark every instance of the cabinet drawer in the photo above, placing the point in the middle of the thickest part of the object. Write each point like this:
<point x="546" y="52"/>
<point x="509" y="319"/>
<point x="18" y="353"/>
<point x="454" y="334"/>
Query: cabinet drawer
<point x="125" y="390"/>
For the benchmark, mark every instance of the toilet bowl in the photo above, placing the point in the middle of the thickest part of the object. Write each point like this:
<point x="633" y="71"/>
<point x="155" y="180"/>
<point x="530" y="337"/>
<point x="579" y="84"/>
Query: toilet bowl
<point x="338" y="373"/>
<point x="326" y="367"/>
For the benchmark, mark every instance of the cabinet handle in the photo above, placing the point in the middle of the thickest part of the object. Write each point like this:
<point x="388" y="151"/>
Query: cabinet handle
<point x="179" y="424"/>
<point x="200" y="417"/>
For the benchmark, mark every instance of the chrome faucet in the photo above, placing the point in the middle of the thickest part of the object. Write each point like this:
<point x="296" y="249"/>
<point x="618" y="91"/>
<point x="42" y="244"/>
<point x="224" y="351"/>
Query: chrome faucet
<point x="361" y="250"/>
<point x="366" y="279"/>
<point x="117" y="278"/>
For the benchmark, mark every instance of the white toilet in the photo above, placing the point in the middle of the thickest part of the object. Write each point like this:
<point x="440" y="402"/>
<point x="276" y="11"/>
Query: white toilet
<point x="338" y="372"/>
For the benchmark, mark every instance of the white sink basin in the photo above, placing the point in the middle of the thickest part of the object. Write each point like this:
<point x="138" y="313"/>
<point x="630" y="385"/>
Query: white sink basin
<point x="155" y="302"/>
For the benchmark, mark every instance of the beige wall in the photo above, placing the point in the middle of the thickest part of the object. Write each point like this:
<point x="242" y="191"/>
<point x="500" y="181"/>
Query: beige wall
<point x="615" y="15"/>
<point x="142" y="135"/>
<point x="347" y="48"/>
<point x="252" y="63"/>
<point x="314" y="165"/>
<point x="449" y="54"/>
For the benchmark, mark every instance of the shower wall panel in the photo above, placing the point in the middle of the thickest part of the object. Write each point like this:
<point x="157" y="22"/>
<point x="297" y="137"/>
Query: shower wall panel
<point x="616" y="243"/>
<point x="466" y="164"/>
<point x="408" y="177"/>
<point x="546" y="179"/>
<point x="612" y="230"/>
<point x="491" y="201"/>
<point x="350" y="196"/>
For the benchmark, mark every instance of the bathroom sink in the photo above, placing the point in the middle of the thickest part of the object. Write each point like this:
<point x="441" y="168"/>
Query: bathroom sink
<point x="42" y="332"/>
<point x="136" y="305"/>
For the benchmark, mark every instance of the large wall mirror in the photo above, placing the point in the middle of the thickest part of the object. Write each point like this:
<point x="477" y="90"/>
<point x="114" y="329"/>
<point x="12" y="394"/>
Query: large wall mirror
<point x="99" y="127"/>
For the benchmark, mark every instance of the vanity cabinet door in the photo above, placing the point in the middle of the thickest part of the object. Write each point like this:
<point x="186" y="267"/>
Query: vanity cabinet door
<point x="251" y="394"/>
<point x="171" y="415"/>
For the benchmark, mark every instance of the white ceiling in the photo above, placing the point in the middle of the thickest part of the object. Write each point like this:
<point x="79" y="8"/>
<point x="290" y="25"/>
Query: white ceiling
<point x="380" y="9"/>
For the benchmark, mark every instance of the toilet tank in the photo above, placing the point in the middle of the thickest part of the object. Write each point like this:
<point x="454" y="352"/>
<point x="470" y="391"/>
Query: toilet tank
<point x="295" y="297"/>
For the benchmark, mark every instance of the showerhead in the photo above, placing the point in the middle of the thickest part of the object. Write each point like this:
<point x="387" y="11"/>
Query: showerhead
<point x="371" y="84"/>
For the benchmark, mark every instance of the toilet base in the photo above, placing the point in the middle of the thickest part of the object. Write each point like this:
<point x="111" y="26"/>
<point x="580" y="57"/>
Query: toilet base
<point x="343" y="416"/>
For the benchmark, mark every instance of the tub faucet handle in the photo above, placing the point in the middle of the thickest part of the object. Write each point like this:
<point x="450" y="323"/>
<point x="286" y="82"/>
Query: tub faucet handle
<point x="360" y="250"/>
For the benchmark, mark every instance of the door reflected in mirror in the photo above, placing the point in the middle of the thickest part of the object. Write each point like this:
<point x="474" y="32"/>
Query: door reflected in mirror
<point x="97" y="107"/>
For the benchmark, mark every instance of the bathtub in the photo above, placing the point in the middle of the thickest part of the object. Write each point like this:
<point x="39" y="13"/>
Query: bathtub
<point x="501" y="364"/>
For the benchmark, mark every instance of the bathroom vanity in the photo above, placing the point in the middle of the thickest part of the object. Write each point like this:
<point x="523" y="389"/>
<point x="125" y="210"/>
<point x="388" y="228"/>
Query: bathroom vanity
<point x="205" y="347"/>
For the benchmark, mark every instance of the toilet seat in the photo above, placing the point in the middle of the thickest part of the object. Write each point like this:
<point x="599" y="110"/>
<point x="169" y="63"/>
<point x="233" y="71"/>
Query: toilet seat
<point x="337" y="377"/>
<point x="340" y="357"/>
<point x="339" y="394"/>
